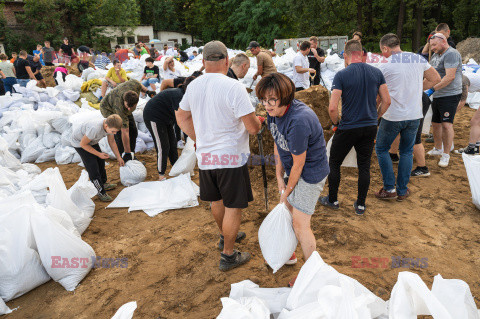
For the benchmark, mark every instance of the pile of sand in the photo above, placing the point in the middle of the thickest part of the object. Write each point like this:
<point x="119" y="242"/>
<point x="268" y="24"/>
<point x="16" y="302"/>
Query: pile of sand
<point x="317" y="98"/>
<point x="469" y="49"/>
<point x="47" y="72"/>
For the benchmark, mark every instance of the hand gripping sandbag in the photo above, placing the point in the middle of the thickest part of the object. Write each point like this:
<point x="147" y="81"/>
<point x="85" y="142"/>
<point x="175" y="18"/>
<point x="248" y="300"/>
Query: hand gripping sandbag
<point x="277" y="238"/>
<point x="132" y="173"/>
<point x="66" y="257"/>
<point x="126" y="311"/>
<point x="472" y="165"/>
<point x="186" y="162"/>
<point x="244" y="308"/>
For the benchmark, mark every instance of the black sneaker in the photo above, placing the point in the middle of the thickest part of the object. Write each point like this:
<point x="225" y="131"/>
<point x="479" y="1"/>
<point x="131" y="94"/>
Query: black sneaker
<point x="325" y="202"/>
<point x="240" y="236"/>
<point x="394" y="157"/>
<point x="420" y="172"/>
<point x="469" y="150"/>
<point x="228" y="262"/>
<point x="359" y="209"/>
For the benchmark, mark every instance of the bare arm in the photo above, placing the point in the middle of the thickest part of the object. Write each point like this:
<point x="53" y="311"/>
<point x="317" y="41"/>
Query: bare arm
<point x="385" y="99"/>
<point x="185" y="122"/>
<point x="446" y="80"/>
<point x="430" y="78"/>
<point x="30" y="73"/>
<point x="333" y="106"/>
<point x="252" y="123"/>
<point x="87" y="147"/>
<point x="426" y="48"/>
<point x="299" y="69"/>
<point x="166" y="62"/>
<point x="3" y="75"/>
<point x="320" y="59"/>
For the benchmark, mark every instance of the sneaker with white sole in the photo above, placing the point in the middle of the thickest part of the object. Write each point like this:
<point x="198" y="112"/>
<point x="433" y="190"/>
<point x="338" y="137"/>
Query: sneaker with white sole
<point x="292" y="260"/>
<point x="435" y="152"/>
<point x="444" y="160"/>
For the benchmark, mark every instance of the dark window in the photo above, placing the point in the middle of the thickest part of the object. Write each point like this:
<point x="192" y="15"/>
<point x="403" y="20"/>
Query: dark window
<point x="143" y="38"/>
<point x="184" y="41"/>
<point x="120" y="40"/>
<point x="131" y="40"/>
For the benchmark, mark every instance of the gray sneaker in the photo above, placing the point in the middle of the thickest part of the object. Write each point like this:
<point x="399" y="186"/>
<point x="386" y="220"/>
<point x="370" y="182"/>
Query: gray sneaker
<point x="228" y="262"/>
<point x="105" y="197"/>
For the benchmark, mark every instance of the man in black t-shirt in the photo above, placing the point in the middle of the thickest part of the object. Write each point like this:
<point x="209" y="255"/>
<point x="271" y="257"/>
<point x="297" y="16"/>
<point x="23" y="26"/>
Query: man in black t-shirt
<point x="23" y="69"/>
<point x="151" y="74"/>
<point x="316" y="56"/>
<point x="35" y="66"/>
<point x="67" y="49"/>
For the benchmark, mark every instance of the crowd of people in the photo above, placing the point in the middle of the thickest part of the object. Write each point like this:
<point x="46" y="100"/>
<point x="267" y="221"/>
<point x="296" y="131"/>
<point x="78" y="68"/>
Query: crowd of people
<point x="382" y="109"/>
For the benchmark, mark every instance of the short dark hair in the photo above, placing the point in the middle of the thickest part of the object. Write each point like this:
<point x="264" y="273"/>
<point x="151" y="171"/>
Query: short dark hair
<point x="3" y="56"/>
<point x="305" y="46"/>
<point x="23" y="53"/>
<point x="116" y="61"/>
<point x="278" y="83"/>
<point x="117" y="47"/>
<point x="442" y="27"/>
<point x="390" y="40"/>
<point x="353" y="46"/>
<point x="176" y="45"/>
<point x="149" y="59"/>
<point x="131" y="97"/>
<point x="240" y="59"/>
<point x="153" y="45"/>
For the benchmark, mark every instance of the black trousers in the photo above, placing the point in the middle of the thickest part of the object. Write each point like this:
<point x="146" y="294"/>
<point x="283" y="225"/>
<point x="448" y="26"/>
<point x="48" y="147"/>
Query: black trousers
<point x="165" y="142"/>
<point x="2" y="88"/>
<point x="363" y="140"/>
<point x="132" y="133"/>
<point x="95" y="167"/>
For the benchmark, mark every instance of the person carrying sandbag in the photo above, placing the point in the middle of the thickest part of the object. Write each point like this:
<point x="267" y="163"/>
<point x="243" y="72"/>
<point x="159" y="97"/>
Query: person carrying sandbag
<point x="159" y="117"/>
<point x="85" y="138"/>
<point x="300" y="152"/>
<point x="122" y="101"/>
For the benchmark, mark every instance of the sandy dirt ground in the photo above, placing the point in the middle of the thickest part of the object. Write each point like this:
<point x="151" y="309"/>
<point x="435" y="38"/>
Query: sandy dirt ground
<point x="173" y="258"/>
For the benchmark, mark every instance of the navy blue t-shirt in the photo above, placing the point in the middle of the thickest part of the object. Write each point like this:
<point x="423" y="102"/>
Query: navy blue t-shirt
<point x="359" y="83"/>
<point x="297" y="131"/>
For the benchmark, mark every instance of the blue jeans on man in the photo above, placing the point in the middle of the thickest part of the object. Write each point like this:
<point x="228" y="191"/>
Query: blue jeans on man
<point x="23" y="82"/>
<point x="8" y="83"/>
<point x="387" y="132"/>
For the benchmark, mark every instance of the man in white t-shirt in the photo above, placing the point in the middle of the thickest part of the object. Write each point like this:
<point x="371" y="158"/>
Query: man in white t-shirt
<point x="406" y="75"/>
<point x="301" y="70"/>
<point x="217" y="114"/>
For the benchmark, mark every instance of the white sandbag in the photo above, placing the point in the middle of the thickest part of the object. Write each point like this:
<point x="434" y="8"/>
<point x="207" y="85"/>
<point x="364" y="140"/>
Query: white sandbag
<point x="64" y="154"/>
<point x="277" y="238"/>
<point x="51" y="139"/>
<point x="126" y="311"/>
<point x="105" y="147"/>
<point x="309" y="311"/>
<point x="31" y="168"/>
<point x="455" y="296"/>
<point x="427" y="121"/>
<point x="274" y="298"/>
<point x="61" y="124"/>
<point x="33" y="151"/>
<point x="186" y="162"/>
<point x="46" y="156"/>
<point x="66" y="257"/>
<point x="81" y="193"/>
<point x="350" y="160"/>
<point x="140" y="146"/>
<point x="472" y="166"/>
<point x="244" y="308"/>
<point x="6" y="158"/>
<point x="20" y="267"/>
<point x="73" y="82"/>
<point x="132" y="173"/>
<point x="3" y="308"/>
<point x="146" y="137"/>
<point x="61" y="217"/>
<point x="410" y="298"/>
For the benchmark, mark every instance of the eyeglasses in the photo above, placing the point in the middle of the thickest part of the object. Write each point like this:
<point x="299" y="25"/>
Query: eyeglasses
<point x="271" y="102"/>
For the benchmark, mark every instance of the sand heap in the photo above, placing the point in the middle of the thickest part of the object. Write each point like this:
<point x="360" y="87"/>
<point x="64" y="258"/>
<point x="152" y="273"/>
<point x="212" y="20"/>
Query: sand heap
<point x="469" y="49"/>
<point x="47" y="72"/>
<point x="317" y="98"/>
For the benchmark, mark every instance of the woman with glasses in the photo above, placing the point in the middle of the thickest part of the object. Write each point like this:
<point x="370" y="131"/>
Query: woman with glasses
<point x="169" y="71"/>
<point x="300" y="153"/>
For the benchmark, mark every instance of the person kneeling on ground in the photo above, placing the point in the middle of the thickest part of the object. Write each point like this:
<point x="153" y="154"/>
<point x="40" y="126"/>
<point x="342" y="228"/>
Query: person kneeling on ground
<point x="85" y="138"/>
<point x="115" y="76"/>
<point x="159" y="117"/>
<point x="151" y="74"/>
<point x="300" y="146"/>
<point x="60" y="70"/>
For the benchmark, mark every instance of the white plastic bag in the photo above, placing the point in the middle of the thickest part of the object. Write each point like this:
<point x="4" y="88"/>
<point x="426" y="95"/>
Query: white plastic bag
<point x="126" y="311"/>
<point x="244" y="308"/>
<point x="6" y="158"/>
<point x="455" y="295"/>
<point x="186" y="162"/>
<point x="3" y="308"/>
<point x="33" y="151"/>
<point x="472" y="166"/>
<point x="132" y="173"/>
<point x="81" y="193"/>
<point x="277" y="238"/>
<point x="274" y="298"/>
<point x="349" y="161"/>
<point x="66" y="257"/>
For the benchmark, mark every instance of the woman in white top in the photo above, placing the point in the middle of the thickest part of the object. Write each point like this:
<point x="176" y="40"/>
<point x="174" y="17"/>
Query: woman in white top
<point x="169" y="71"/>
<point x="7" y="72"/>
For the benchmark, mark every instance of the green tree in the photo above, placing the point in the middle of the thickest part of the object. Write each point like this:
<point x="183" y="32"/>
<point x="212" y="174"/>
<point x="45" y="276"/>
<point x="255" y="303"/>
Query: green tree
<point x="44" y="17"/>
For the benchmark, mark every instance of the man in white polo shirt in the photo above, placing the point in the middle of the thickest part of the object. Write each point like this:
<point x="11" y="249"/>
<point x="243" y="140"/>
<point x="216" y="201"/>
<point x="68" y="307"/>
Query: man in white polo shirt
<point x="301" y="69"/>
<point x="217" y="114"/>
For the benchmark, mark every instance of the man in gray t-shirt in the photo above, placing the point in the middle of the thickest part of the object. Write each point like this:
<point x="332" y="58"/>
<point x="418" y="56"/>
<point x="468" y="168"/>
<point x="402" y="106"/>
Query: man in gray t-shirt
<point x="92" y="129"/>
<point x="48" y="54"/>
<point x="446" y="95"/>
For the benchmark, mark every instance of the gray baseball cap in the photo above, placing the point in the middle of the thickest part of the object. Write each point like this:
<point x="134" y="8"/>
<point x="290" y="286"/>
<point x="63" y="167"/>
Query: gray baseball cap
<point x="214" y="51"/>
<point x="253" y="44"/>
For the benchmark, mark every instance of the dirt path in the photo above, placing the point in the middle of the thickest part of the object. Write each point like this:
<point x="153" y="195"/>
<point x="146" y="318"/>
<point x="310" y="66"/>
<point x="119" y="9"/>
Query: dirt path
<point x="173" y="261"/>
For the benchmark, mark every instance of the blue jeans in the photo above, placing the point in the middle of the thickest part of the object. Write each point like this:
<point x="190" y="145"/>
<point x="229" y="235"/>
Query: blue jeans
<point x="387" y="132"/>
<point x="23" y="82"/>
<point x="8" y="83"/>
<point x="147" y="82"/>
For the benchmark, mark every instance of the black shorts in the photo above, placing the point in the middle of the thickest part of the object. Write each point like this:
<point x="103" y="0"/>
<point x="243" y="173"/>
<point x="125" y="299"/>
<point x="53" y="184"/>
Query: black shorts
<point x="444" y="108"/>
<point x="425" y="106"/>
<point x="178" y="81"/>
<point x="230" y="184"/>
<point x="39" y="76"/>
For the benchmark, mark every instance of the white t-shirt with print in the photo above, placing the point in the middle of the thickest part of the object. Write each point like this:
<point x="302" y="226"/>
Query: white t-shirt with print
<point x="301" y="80"/>
<point x="403" y="74"/>
<point x="217" y="104"/>
<point x="169" y="74"/>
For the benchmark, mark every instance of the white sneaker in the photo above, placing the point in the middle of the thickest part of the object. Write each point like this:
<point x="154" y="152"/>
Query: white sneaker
<point x="444" y="160"/>
<point x="435" y="152"/>
<point x="180" y="145"/>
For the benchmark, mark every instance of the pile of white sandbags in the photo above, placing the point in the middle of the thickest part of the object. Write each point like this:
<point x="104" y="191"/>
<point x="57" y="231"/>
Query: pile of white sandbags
<point x="320" y="292"/>
<point x="471" y="71"/>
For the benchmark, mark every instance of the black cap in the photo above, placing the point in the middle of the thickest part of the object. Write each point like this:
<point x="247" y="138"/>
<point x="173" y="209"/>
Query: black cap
<point x="253" y="44"/>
